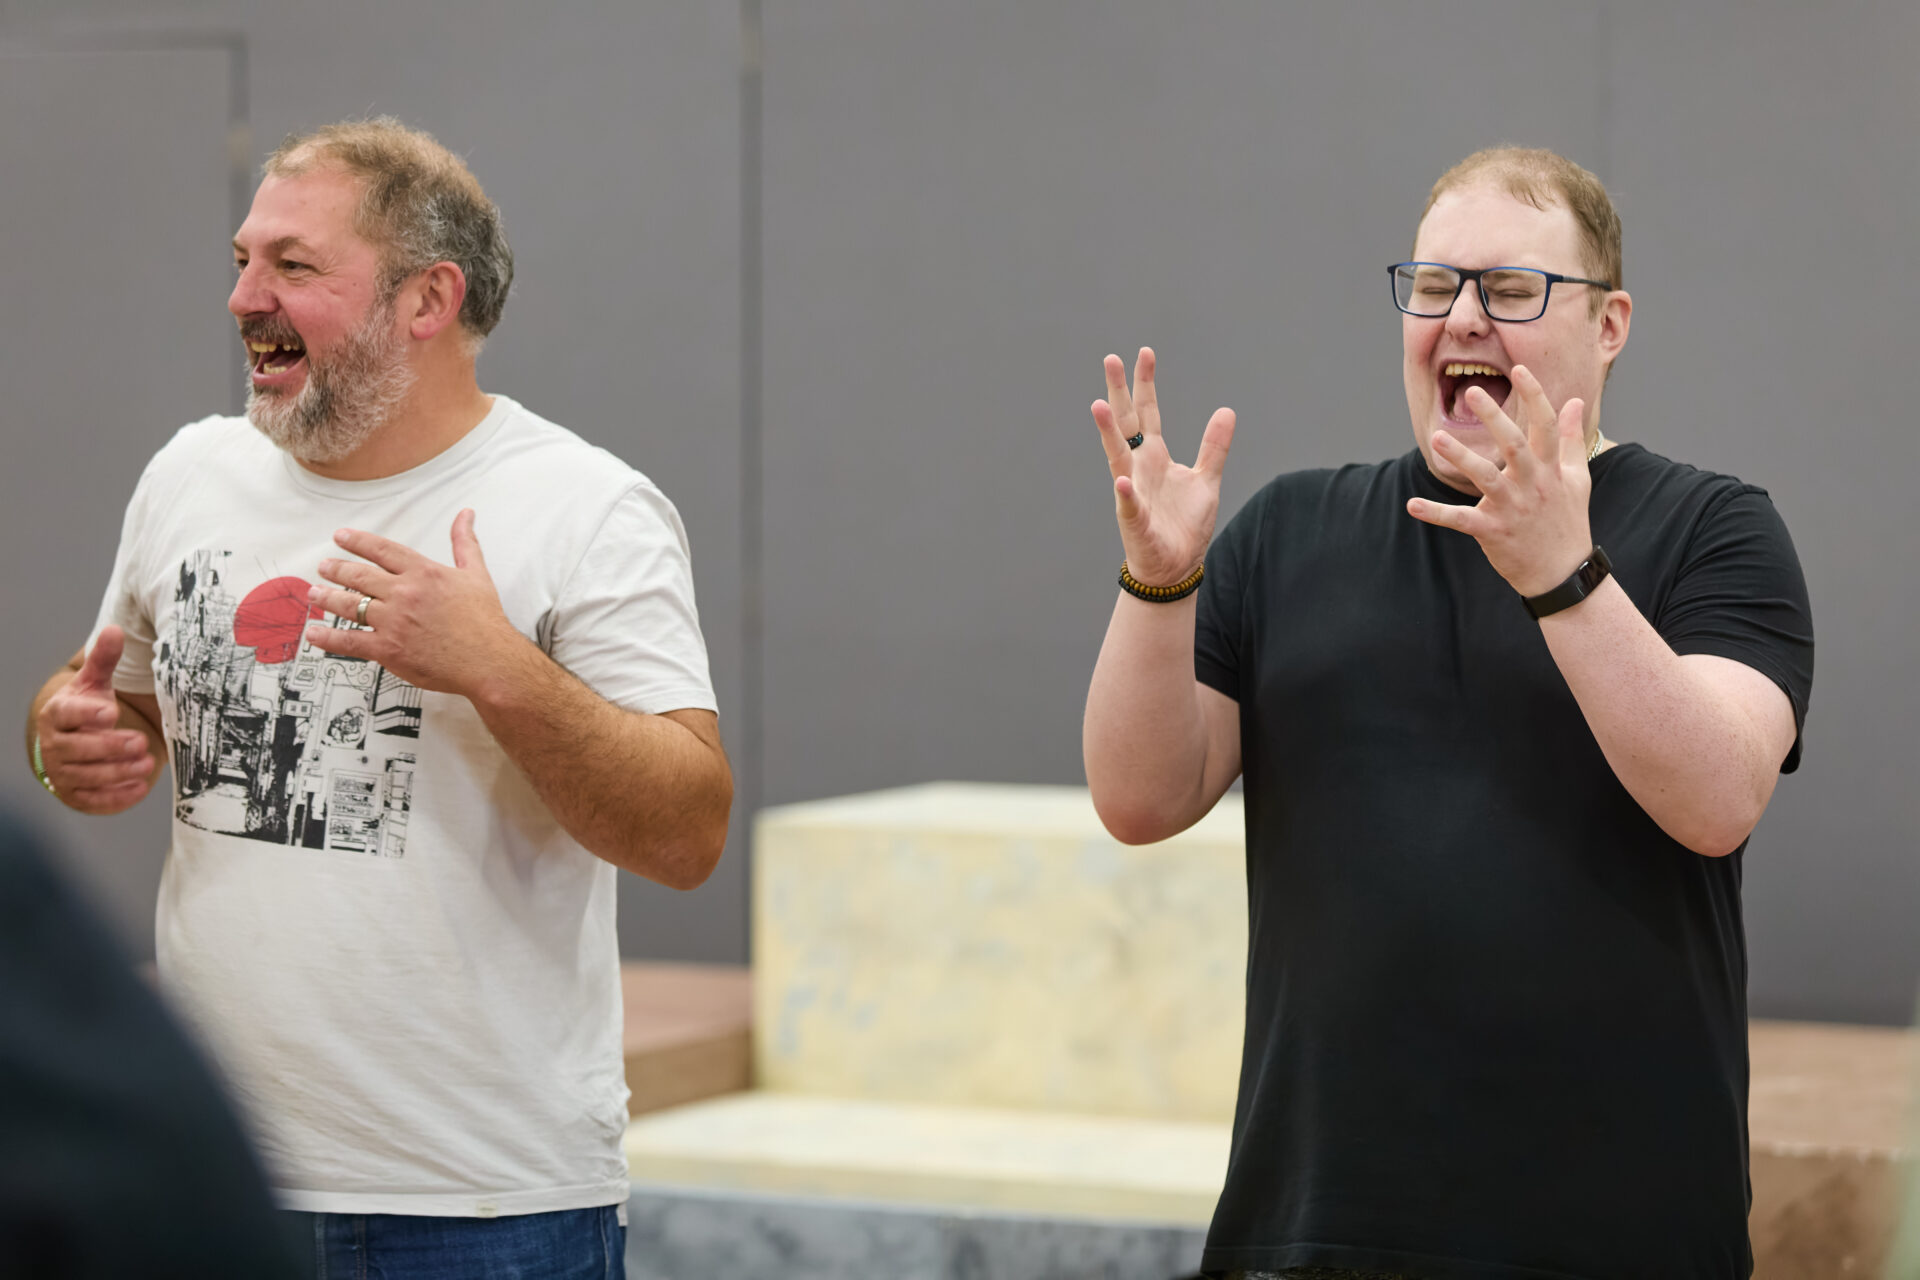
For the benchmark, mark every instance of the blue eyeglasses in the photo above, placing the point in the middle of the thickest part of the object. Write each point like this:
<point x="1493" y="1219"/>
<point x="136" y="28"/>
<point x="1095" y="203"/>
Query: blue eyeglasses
<point x="1511" y="295"/>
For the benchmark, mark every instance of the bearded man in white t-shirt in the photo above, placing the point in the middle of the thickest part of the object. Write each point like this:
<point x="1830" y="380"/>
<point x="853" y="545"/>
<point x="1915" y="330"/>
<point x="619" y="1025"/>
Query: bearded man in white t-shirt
<point x="404" y="770"/>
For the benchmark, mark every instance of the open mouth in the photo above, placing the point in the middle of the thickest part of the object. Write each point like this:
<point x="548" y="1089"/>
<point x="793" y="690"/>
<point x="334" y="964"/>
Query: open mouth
<point x="1457" y="376"/>
<point x="271" y="359"/>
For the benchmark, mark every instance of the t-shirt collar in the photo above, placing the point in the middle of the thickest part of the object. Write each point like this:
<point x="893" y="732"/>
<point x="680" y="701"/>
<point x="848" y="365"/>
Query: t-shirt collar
<point x="442" y="463"/>
<point x="1427" y="485"/>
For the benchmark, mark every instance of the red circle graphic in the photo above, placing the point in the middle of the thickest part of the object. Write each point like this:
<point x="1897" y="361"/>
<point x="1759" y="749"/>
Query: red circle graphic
<point x="273" y="617"/>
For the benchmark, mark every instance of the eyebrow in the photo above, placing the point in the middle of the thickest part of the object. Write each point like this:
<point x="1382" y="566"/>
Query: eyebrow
<point x="278" y="247"/>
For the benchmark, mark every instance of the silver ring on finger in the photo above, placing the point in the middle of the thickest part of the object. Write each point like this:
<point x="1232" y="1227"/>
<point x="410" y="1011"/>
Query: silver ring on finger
<point x="1137" y="439"/>
<point x="360" y="614"/>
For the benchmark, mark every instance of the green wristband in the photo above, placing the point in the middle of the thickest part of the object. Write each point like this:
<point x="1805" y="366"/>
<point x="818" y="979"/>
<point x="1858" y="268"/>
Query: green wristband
<point x="40" y="768"/>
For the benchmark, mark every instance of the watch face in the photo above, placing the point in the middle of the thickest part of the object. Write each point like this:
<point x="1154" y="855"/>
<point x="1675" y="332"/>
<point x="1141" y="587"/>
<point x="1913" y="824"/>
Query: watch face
<point x="1591" y="573"/>
<point x="1594" y="571"/>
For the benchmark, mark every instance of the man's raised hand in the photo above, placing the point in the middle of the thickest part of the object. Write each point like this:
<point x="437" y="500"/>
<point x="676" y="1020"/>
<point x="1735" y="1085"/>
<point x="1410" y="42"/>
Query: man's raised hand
<point x="437" y="626"/>
<point x="95" y="766"/>
<point x="1166" y="511"/>
<point x="1531" y="519"/>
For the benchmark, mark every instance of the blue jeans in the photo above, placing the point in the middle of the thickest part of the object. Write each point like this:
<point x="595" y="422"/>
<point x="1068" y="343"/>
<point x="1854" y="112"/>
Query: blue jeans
<point x="573" y="1244"/>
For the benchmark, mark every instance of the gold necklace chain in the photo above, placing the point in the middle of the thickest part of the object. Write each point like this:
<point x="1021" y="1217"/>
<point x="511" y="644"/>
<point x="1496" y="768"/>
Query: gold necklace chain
<point x="1599" y="443"/>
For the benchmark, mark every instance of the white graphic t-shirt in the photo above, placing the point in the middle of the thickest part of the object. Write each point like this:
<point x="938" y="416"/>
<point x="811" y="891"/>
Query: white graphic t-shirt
<point x="406" y="968"/>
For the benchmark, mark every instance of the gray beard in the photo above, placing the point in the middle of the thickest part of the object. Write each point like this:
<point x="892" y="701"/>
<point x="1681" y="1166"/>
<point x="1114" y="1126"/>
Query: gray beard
<point x="345" y="400"/>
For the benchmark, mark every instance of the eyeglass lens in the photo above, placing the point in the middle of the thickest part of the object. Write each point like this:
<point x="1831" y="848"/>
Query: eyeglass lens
<point x="1515" y="293"/>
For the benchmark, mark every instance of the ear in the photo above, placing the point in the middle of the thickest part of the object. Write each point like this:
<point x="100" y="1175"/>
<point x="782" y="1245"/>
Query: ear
<point x="436" y="295"/>
<point x="1616" y="317"/>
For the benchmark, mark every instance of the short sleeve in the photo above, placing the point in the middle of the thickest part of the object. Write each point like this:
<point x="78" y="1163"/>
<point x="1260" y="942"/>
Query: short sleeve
<point x="1218" y="630"/>
<point x="122" y="605"/>
<point x="625" y="622"/>
<point x="1740" y="595"/>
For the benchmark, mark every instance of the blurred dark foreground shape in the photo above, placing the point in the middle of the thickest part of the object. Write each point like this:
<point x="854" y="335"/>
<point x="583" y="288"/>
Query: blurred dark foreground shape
<point x="118" y="1155"/>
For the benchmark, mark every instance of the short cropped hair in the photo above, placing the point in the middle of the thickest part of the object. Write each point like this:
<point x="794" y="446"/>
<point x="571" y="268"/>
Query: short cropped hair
<point x="421" y="206"/>
<point x="1542" y="179"/>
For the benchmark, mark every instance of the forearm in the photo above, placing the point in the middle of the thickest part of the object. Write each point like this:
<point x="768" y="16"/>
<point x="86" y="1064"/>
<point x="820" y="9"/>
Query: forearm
<point x="1685" y="743"/>
<point x="648" y="793"/>
<point x="1145" y="736"/>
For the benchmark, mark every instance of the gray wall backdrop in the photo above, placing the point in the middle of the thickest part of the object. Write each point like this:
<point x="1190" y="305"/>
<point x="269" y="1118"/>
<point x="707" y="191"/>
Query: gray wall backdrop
<point x="839" y="276"/>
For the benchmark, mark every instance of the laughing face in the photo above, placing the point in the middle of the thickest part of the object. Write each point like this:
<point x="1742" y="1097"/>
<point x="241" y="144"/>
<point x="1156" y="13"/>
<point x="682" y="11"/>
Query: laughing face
<point x="1568" y="348"/>
<point x="329" y="362"/>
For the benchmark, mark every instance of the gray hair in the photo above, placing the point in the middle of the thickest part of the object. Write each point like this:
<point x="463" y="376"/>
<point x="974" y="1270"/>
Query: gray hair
<point x="421" y="206"/>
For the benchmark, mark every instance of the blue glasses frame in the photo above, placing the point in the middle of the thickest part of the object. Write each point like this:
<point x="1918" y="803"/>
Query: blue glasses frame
<point x="1480" y="288"/>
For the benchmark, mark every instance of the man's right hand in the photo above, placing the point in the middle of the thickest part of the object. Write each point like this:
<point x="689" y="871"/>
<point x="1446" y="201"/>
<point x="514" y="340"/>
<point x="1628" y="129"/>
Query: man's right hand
<point x="1159" y="746"/>
<point x="95" y="766"/>
<point x="1166" y="511"/>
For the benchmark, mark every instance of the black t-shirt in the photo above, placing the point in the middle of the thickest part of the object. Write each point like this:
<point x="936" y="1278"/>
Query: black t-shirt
<point x="1496" y="1018"/>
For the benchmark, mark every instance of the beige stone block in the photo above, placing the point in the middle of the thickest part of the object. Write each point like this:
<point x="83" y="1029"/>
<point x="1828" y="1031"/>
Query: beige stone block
<point x="958" y="1158"/>
<point x="993" y="946"/>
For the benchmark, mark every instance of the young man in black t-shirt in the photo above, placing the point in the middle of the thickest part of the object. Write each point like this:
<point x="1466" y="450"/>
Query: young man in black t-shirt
<point x="1507" y="708"/>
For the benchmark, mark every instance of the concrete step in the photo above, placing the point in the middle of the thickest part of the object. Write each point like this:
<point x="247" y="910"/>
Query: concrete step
<point x="1042" y="1164"/>
<point x="701" y="1234"/>
<point x="765" y="1186"/>
<point x="1828" y="1121"/>
<point x="678" y="1233"/>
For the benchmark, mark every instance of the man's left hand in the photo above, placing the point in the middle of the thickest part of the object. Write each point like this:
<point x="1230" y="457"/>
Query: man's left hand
<point x="438" y="627"/>
<point x="1531" y="519"/>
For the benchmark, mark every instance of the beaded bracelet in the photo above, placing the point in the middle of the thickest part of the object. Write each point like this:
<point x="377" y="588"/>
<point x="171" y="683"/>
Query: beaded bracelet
<point x="1161" y="595"/>
<point x="40" y="768"/>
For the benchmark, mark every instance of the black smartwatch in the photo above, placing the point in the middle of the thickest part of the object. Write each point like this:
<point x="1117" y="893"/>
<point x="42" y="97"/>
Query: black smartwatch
<point x="1592" y="572"/>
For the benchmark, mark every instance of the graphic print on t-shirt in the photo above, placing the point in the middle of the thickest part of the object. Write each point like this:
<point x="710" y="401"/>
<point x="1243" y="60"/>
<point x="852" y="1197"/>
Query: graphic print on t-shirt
<point x="272" y="738"/>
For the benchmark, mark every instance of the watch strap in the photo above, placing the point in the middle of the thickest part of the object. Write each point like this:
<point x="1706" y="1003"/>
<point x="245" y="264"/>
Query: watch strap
<point x="1592" y="572"/>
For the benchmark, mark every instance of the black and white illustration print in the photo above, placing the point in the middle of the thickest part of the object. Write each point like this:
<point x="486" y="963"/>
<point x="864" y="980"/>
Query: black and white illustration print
<point x="273" y="739"/>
